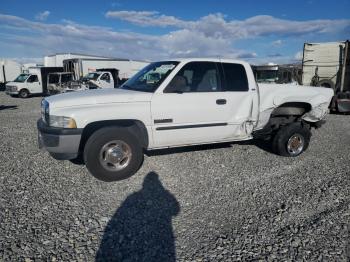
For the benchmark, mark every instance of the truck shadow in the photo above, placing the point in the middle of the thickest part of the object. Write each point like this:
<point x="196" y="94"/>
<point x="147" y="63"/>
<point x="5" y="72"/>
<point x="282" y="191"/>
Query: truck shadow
<point x="141" y="228"/>
<point x="8" y="107"/>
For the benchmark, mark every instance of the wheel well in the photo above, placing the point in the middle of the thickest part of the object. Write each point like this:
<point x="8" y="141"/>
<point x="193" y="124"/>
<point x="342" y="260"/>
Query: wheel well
<point x="24" y="89"/>
<point x="288" y="113"/>
<point x="134" y="126"/>
<point x="283" y="115"/>
<point x="291" y="109"/>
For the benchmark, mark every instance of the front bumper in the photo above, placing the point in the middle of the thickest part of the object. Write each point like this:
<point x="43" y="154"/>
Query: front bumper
<point x="11" y="90"/>
<point x="61" y="143"/>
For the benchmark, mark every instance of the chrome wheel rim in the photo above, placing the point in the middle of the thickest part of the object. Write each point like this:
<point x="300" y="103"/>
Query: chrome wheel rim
<point x="295" y="144"/>
<point x="115" y="155"/>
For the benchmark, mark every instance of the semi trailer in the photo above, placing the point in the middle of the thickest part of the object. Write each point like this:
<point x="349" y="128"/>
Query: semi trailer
<point x="328" y="65"/>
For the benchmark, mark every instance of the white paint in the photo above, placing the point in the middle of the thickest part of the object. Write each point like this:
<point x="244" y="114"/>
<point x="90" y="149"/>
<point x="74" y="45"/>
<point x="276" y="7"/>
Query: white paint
<point x="242" y="112"/>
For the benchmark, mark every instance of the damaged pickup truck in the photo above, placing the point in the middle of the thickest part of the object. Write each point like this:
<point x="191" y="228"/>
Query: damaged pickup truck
<point x="193" y="101"/>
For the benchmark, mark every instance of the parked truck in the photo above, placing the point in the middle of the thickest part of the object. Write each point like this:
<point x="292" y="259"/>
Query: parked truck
<point x="102" y="78"/>
<point x="195" y="101"/>
<point x="9" y="70"/>
<point x="328" y="65"/>
<point x="33" y="82"/>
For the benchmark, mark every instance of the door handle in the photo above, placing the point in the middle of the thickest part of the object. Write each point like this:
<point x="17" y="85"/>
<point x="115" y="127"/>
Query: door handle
<point x="221" y="101"/>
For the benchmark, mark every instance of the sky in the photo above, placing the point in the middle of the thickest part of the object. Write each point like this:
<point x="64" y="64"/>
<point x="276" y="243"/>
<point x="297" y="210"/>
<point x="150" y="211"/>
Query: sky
<point x="259" y="32"/>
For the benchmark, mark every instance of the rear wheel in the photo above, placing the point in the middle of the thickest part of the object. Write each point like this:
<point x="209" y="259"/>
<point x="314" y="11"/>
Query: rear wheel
<point x="291" y="140"/>
<point x="112" y="154"/>
<point x="24" y="93"/>
<point x="327" y="84"/>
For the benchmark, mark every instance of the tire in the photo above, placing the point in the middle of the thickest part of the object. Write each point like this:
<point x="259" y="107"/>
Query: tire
<point x="291" y="140"/>
<point x="24" y="93"/>
<point x="106" y="147"/>
<point x="326" y="84"/>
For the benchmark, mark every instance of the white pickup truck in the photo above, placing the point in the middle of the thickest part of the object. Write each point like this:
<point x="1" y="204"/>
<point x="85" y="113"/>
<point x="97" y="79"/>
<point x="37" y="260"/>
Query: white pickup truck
<point x="193" y="101"/>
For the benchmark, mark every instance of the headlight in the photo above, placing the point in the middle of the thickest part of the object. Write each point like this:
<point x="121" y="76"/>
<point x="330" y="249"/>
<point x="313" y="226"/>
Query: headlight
<point x="55" y="121"/>
<point x="45" y="111"/>
<point x="62" y="121"/>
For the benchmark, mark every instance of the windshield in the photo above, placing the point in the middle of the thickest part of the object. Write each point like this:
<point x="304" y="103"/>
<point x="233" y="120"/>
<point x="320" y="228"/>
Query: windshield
<point x="150" y="77"/>
<point x="54" y="79"/>
<point x="91" y="76"/>
<point x="267" y="76"/>
<point x="21" y="78"/>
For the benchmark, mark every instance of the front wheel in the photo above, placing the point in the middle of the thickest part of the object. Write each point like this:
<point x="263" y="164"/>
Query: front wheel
<point x="291" y="140"/>
<point x="112" y="154"/>
<point x="24" y="93"/>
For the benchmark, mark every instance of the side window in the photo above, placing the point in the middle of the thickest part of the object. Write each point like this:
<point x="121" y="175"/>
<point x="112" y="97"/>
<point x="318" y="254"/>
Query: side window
<point x="105" y="77"/>
<point x="196" y="77"/>
<point x="32" y="79"/>
<point x="66" y="78"/>
<point x="235" y="77"/>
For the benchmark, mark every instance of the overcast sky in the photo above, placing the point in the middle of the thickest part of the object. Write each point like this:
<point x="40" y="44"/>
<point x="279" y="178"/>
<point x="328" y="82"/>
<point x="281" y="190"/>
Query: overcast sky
<point x="256" y="31"/>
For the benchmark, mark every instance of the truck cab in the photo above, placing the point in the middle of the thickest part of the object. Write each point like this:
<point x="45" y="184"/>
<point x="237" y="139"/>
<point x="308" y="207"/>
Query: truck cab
<point x="24" y="85"/>
<point x="99" y="79"/>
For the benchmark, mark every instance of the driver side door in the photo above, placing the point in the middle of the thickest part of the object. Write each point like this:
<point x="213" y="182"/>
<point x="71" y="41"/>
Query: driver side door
<point x="34" y="85"/>
<point x="106" y="81"/>
<point x="192" y="109"/>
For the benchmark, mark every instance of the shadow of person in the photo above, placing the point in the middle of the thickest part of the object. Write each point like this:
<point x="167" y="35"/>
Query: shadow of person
<point x="7" y="107"/>
<point x="141" y="228"/>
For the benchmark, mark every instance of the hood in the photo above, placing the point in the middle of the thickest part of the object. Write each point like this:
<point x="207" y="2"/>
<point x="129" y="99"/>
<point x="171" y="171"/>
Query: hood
<point x="97" y="96"/>
<point x="15" y="83"/>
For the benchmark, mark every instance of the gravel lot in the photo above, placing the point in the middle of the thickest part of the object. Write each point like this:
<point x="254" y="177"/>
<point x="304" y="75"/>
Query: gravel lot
<point x="227" y="202"/>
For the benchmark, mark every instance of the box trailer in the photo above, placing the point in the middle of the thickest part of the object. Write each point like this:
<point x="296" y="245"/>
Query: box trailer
<point x="82" y="66"/>
<point x="33" y="82"/>
<point x="9" y="70"/>
<point x="328" y="65"/>
<point x="56" y="60"/>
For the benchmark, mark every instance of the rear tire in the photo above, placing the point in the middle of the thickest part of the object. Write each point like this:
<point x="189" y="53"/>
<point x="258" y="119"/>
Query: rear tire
<point x="112" y="154"/>
<point x="291" y="140"/>
<point x="24" y="93"/>
<point x="327" y="84"/>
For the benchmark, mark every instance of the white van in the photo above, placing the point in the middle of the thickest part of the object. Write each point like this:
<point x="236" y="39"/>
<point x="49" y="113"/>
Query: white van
<point x="33" y="82"/>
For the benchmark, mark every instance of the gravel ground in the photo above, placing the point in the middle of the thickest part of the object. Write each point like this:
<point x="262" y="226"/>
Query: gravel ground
<point x="227" y="202"/>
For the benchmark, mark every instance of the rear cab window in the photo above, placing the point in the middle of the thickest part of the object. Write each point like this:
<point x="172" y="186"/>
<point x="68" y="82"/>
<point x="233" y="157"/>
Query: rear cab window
<point x="234" y="77"/>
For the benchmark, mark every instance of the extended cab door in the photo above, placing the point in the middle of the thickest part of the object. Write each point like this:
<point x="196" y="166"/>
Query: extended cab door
<point x="195" y="107"/>
<point x="33" y="84"/>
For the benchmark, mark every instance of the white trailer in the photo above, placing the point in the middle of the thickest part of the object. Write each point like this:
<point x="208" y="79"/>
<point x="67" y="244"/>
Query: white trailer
<point x="328" y="65"/>
<point x="56" y="60"/>
<point x="82" y="66"/>
<point x="9" y="70"/>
